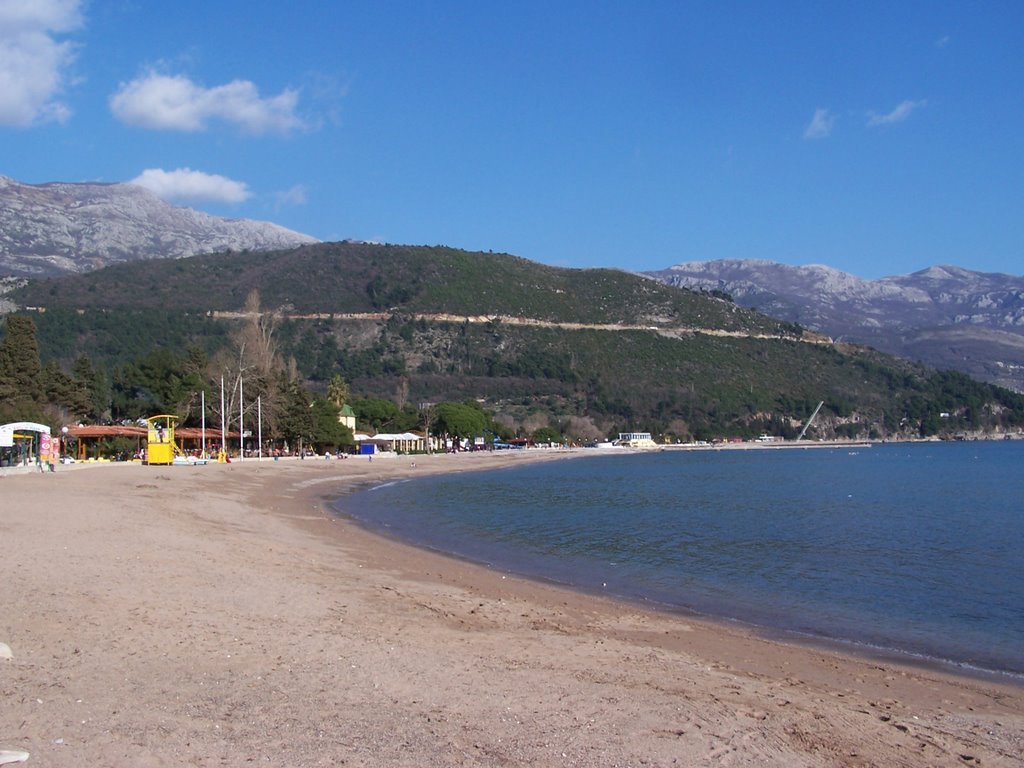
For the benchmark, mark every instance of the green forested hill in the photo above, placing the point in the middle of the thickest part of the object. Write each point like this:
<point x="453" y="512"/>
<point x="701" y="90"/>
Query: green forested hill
<point x="592" y="350"/>
<point x="363" y="278"/>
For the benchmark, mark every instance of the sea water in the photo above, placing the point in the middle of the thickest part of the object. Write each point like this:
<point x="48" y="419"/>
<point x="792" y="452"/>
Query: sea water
<point x="913" y="549"/>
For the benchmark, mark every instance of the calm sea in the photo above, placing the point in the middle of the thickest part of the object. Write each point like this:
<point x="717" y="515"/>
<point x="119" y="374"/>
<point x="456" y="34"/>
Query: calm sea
<point x="914" y="549"/>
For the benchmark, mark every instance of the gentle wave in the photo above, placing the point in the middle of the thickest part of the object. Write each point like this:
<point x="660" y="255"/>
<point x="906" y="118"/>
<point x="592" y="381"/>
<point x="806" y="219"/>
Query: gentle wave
<point x="907" y="548"/>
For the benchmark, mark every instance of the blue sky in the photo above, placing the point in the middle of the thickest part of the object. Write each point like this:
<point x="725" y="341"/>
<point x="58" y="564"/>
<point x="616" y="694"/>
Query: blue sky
<point x="875" y="137"/>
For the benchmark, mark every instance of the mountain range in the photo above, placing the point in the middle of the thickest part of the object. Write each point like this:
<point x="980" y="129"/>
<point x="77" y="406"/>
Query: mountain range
<point x="597" y="351"/>
<point x="944" y="316"/>
<point x="57" y="228"/>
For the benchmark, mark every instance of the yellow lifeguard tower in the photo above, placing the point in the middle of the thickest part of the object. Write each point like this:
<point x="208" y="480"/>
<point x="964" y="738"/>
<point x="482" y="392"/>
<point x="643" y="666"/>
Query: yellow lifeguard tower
<point x="160" y="439"/>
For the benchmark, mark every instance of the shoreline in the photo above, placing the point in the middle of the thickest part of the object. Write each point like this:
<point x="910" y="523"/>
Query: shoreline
<point x="848" y="646"/>
<point x="854" y="649"/>
<point x="224" y="615"/>
<point x="842" y="646"/>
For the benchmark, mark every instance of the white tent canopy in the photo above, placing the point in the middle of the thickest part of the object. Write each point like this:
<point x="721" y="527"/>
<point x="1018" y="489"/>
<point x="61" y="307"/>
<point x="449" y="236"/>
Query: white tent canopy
<point x="396" y="437"/>
<point x="402" y="441"/>
<point x="7" y="431"/>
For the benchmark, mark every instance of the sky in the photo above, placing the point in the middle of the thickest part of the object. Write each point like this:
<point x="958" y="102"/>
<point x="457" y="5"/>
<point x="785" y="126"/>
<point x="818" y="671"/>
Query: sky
<point x="878" y="138"/>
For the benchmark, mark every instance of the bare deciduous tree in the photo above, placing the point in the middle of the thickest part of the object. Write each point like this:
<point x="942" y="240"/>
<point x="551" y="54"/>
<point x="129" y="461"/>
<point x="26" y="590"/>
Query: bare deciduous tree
<point x="251" y="368"/>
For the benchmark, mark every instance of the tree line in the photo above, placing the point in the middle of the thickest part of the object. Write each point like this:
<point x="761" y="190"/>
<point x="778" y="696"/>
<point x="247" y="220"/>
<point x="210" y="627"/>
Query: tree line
<point x="250" y="371"/>
<point x="542" y="383"/>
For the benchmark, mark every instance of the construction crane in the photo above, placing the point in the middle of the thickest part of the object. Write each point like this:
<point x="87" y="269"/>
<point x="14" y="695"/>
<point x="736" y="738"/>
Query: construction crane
<point x="804" y="430"/>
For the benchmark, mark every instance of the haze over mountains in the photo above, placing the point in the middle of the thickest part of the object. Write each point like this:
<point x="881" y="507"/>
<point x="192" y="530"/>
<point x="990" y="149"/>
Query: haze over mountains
<point x="945" y="316"/>
<point x="56" y="228"/>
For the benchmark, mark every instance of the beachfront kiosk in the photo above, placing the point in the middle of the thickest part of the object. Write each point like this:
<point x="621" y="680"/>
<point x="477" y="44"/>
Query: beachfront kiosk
<point x="25" y="442"/>
<point x="160" y="439"/>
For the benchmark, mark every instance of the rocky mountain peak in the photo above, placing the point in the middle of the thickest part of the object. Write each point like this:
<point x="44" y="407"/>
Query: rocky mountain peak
<point x="59" y="227"/>
<point x="947" y="316"/>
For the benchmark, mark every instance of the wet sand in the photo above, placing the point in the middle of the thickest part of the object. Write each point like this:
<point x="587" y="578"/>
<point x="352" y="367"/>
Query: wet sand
<point x="220" y="615"/>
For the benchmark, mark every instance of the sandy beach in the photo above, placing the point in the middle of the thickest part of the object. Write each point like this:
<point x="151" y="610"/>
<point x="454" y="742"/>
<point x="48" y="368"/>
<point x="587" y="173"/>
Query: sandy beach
<point x="221" y="616"/>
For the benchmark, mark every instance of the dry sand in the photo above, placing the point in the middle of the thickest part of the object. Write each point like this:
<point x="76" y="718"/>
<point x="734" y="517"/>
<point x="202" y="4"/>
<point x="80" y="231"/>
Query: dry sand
<point x="218" y="616"/>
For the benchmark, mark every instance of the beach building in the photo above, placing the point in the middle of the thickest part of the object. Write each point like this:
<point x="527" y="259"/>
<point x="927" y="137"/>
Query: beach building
<point x="636" y="440"/>
<point x="403" y="442"/>
<point x="97" y="442"/>
<point x="347" y="417"/>
<point x="25" y="442"/>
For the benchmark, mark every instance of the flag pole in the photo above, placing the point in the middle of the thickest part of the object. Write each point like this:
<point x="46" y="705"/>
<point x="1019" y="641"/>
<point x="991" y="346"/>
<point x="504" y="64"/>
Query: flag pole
<point x="202" y="396"/>
<point x="223" y="438"/>
<point x="241" y="425"/>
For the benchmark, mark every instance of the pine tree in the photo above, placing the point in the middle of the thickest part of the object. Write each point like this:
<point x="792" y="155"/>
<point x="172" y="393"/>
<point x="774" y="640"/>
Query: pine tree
<point x="295" y="421"/>
<point x="21" y="391"/>
<point x="93" y="386"/>
<point x="64" y="392"/>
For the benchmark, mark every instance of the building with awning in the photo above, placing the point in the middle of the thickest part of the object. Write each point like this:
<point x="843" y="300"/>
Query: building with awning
<point x="89" y="439"/>
<point x="194" y="439"/>
<point x="400" y="442"/>
<point x="25" y="441"/>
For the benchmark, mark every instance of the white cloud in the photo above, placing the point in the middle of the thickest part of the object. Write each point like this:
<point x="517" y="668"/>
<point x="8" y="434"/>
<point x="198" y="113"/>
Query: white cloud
<point x="821" y="125"/>
<point x="176" y="103"/>
<point x="185" y="184"/>
<point x="902" y="111"/>
<point x="296" y="195"/>
<point x="33" y="65"/>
